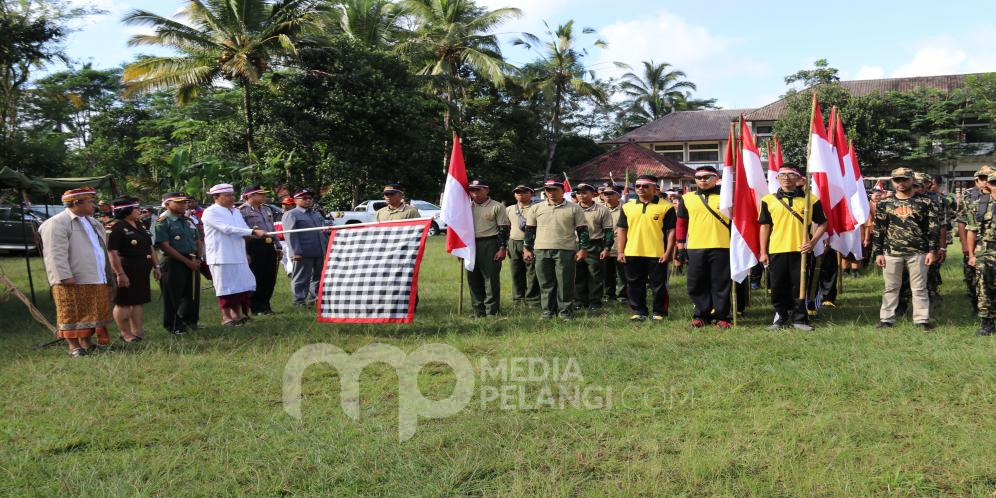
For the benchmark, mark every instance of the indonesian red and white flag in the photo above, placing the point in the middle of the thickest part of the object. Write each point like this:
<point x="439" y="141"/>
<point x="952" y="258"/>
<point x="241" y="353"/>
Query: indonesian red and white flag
<point x="850" y="228"/>
<point x="750" y="186"/>
<point x="567" y="189"/>
<point x="456" y="213"/>
<point x="823" y="166"/>
<point x="775" y="161"/>
<point x="859" y="199"/>
<point x="729" y="171"/>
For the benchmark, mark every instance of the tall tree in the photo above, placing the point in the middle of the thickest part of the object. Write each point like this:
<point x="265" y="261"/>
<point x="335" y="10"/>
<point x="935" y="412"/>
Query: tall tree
<point x="657" y="91"/>
<point x="561" y="78"/>
<point x="374" y="24"/>
<point x="821" y="73"/>
<point x="234" y="40"/>
<point x="453" y="41"/>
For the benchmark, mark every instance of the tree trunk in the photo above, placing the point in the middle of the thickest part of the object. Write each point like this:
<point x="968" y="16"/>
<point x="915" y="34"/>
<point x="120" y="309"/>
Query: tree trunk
<point x="250" y="132"/>
<point x="554" y="133"/>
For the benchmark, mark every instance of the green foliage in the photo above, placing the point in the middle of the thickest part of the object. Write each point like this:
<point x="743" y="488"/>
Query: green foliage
<point x="821" y="74"/>
<point x="656" y="91"/>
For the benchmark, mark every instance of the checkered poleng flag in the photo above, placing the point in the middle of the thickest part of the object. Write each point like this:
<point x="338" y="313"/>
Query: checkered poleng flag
<point x="371" y="273"/>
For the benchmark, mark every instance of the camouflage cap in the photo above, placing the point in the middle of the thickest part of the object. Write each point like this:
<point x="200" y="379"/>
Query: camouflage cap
<point x="920" y="178"/>
<point x="985" y="170"/>
<point x="902" y="172"/>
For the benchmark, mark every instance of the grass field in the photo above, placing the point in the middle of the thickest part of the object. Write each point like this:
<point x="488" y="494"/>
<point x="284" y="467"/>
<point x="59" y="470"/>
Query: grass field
<point x="848" y="410"/>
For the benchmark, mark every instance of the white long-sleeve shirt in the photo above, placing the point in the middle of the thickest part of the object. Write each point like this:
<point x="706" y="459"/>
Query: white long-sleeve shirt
<point x="223" y="232"/>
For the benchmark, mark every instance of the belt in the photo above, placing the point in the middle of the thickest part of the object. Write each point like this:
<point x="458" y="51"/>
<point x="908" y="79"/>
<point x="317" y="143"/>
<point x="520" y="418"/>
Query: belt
<point x="486" y="238"/>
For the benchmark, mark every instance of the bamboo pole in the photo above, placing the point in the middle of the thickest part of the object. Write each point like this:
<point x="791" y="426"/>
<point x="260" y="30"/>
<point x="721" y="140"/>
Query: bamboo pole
<point x="806" y="212"/>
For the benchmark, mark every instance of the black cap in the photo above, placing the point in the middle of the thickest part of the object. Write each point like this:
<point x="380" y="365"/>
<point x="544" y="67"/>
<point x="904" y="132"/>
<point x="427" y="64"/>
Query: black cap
<point x="393" y="188"/>
<point x="254" y="189"/>
<point x="478" y="184"/>
<point x="552" y="183"/>
<point x="585" y="186"/>
<point x="175" y="196"/>
<point x="303" y="192"/>
<point x="522" y="188"/>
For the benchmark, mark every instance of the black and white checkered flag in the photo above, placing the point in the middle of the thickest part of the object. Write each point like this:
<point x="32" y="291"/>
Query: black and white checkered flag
<point x="371" y="272"/>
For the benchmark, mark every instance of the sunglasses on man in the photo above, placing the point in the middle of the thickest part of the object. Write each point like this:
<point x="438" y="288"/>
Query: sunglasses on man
<point x="787" y="175"/>
<point x="901" y="179"/>
<point x="704" y="177"/>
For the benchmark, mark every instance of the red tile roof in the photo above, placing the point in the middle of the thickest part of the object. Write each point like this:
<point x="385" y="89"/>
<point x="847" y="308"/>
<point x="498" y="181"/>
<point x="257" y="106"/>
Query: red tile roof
<point x="682" y="126"/>
<point x="860" y="88"/>
<point x="638" y="160"/>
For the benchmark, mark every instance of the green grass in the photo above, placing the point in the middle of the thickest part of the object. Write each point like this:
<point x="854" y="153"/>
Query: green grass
<point x="849" y="410"/>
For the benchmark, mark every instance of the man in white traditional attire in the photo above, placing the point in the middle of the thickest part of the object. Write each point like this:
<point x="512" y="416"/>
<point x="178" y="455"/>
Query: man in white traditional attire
<point x="225" y="232"/>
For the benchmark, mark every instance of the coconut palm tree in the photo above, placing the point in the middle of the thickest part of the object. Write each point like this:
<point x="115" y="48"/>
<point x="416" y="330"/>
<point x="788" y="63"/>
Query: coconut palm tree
<point x="658" y="91"/>
<point x="561" y="78"/>
<point x="233" y="40"/>
<point x="372" y="23"/>
<point x="453" y="39"/>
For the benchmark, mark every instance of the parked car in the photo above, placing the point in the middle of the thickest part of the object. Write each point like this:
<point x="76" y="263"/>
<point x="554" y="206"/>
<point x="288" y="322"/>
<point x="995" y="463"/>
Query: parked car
<point x="365" y="212"/>
<point x="16" y="228"/>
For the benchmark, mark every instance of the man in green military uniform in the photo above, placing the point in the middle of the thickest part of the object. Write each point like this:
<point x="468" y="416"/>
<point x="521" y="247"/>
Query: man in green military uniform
<point x="525" y="285"/>
<point x="962" y="212"/>
<point x="981" y="241"/>
<point x="396" y="208"/>
<point x="926" y="183"/>
<point x="491" y="228"/>
<point x="183" y="249"/>
<point x="550" y="232"/>
<point x="589" y="285"/>
<point x="615" y="272"/>
<point x="905" y="239"/>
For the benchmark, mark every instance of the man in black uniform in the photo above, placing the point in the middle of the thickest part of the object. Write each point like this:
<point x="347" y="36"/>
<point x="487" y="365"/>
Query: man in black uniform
<point x="183" y="247"/>
<point x="263" y="253"/>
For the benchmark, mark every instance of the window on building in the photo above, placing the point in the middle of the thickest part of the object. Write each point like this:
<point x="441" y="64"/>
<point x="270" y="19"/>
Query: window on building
<point x="703" y="153"/>
<point x="676" y="152"/>
<point x="764" y="130"/>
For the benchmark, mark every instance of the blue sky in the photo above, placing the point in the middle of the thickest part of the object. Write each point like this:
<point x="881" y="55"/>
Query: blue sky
<point x="736" y="51"/>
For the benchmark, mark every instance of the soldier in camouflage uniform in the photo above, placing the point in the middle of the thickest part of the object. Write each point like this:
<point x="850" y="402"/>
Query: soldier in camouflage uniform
<point x="905" y="238"/>
<point x="967" y="199"/>
<point x="934" y="271"/>
<point x="981" y="241"/>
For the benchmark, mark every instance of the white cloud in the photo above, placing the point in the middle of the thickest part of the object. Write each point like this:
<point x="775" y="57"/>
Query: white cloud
<point x="705" y="57"/>
<point x="966" y="53"/>
<point x="870" y="73"/>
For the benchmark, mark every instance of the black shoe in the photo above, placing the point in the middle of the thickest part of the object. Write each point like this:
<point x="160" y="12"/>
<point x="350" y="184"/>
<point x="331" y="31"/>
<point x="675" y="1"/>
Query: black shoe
<point x="885" y="325"/>
<point x="78" y="353"/>
<point x="566" y="317"/>
<point x="594" y="309"/>
<point x="987" y="328"/>
<point x="547" y="315"/>
<point x="805" y="327"/>
<point x="926" y="327"/>
<point x="638" y="318"/>
<point x="776" y="326"/>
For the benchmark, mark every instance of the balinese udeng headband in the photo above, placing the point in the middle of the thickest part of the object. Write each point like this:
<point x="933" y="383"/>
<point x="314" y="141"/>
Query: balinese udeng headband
<point x="118" y="208"/>
<point x="79" y="193"/>
<point x="785" y="169"/>
<point x="222" y="188"/>
<point x="646" y="182"/>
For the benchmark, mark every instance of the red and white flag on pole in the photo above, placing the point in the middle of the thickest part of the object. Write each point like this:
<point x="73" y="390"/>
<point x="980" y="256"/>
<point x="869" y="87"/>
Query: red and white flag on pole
<point x="859" y="199"/>
<point x="850" y="227"/>
<point x="750" y="186"/>
<point x="456" y="211"/>
<point x="774" y="162"/>
<point x="567" y="189"/>
<point x="823" y="167"/>
<point x="729" y="171"/>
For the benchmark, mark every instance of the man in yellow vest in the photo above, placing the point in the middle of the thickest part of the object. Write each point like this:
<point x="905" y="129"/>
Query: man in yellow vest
<point x="646" y="245"/>
<point x="782" y="217"/>
<point x="704" y="233"/>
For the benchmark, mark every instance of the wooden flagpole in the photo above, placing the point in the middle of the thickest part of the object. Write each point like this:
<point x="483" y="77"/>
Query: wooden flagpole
<point x="807" y="213"/>
<point x="460" y="301"/>
<point x="733" y="283"/>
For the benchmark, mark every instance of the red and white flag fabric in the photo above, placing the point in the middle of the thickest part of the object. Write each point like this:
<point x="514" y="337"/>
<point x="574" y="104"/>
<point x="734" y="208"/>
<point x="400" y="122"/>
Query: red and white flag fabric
<point x="850" y="227"/>
<point x="371" y="272"/>
<point x="455" y="211"/>
<point x="823" y="167"/>
<point x="775" y="162"/>
<point x="749" y="187"/>
<point x="567" y="189"/>
<point x="729" y="171"/>
<point x="859" y="199"/>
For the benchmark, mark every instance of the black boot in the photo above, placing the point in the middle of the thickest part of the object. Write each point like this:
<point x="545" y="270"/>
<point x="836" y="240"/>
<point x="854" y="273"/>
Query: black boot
<point x="987" y="328"/>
